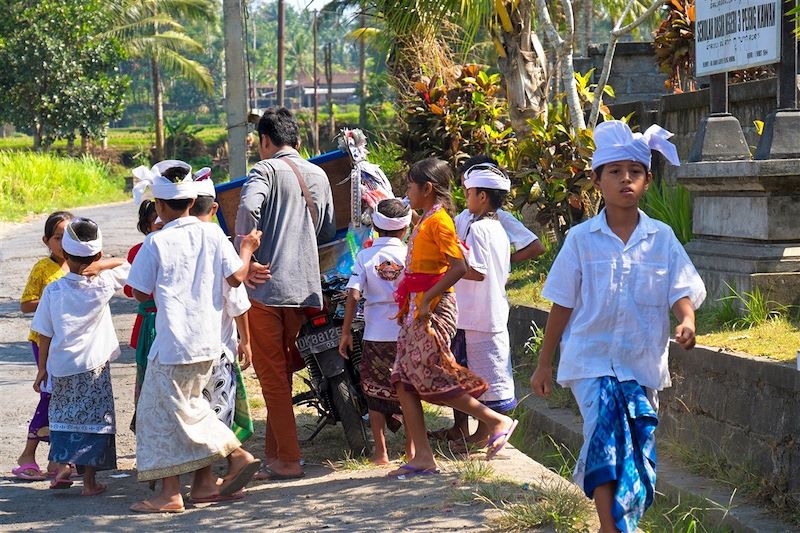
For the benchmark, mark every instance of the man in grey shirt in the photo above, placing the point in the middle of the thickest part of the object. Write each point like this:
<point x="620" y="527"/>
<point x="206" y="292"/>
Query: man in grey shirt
<point x="274" y="201"/>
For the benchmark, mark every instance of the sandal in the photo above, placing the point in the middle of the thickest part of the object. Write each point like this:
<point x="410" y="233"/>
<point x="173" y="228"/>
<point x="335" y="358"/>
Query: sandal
<point x="29" y="472"/>
<point x="498" y="440"/>
<point x="408" y="471"/>
<point x="145" y="506"/>
<point x="241" y="478"/>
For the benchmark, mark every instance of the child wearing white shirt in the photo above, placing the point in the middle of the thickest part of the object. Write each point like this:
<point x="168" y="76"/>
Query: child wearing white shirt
<point x="375" y="277"/>
<point x="76" y="342"/>
<point x="185" y="266"/>
<point x="482" y="337"/>
<point x="612" y="285"/>
<point x="225" y="390"/>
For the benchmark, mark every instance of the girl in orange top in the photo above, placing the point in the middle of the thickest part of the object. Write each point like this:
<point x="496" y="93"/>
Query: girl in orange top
<point x="425" y="369"/>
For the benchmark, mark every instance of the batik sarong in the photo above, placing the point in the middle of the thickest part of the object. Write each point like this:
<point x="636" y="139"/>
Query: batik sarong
<point x="177" y="432"/>
<point x="377" y="360"/>
<point x="82" y="421"/>
<point x="227" y="396"/>
<point x="620" y="446"/>
<point x="424" y="361"/>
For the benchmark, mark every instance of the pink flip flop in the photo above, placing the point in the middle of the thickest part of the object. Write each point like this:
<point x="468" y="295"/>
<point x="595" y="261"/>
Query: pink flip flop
<point x="498" y="440"/>
<point x="20" y="472"/>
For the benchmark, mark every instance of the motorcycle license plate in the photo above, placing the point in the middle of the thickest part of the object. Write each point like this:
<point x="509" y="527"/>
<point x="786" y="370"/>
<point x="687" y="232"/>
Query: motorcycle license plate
<point x="319" y="341"/>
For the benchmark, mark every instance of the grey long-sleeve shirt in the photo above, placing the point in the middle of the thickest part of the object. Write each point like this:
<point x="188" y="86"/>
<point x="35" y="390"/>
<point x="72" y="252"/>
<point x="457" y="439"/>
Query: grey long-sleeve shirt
<point x="272" y="201"/>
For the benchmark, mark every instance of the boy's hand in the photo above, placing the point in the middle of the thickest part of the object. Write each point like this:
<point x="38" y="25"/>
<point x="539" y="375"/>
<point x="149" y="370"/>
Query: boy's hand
<point x="684" y="335"/>
<point x="92" y="269"/>
<point x="542" y="380"/>
<point x="41" y="378"/>
<point x="251" y="241"/>
<point x="257" y="275"/>
<point x="245" y="355"/>
<point x="346" y="344"/>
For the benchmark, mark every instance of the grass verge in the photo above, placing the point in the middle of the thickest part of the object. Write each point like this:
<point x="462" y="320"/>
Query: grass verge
<point x="40" y="183"/>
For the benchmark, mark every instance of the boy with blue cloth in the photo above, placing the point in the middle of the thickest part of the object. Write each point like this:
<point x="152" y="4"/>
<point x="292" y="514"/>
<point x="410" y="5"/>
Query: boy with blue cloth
<point x="612" y="285"/>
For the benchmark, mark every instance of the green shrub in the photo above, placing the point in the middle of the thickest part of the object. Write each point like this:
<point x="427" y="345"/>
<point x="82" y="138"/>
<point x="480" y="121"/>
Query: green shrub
<point x="41" y="183"/>
<point x="672" y="205"/>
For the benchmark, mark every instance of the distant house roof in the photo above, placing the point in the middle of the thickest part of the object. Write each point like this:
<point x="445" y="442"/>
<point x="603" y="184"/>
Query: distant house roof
<point x="306" y="80"/>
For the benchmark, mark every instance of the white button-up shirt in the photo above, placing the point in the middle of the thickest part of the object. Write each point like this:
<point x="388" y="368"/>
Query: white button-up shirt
<point x="184" y="266"/>
<point x="621" y="295"/>
<point x="74" y="312"/>
<point x="518" y="235"/>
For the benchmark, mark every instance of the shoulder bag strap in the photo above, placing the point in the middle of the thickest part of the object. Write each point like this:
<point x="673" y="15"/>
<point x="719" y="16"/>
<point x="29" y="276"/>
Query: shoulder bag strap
<point x="312" y="209"/>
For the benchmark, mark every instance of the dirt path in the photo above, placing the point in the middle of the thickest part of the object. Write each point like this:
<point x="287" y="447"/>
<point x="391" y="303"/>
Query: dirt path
<point x="355" y="498"/>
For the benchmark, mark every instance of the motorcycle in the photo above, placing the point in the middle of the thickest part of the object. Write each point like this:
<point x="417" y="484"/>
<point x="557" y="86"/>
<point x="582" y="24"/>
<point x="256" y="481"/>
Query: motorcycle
<point x="333" y="382"/>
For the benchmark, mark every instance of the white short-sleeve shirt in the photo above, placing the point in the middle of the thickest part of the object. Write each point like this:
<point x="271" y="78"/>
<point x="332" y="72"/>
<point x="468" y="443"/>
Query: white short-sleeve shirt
<point x="519" y="236"/>
<point x="482" y="305"/>
<point x="184" y="266"/>
<point x="376" y="274"/>
<point x="74" y="312"/>
<point x="236" y="304"/>
<point x="621" y="295"/>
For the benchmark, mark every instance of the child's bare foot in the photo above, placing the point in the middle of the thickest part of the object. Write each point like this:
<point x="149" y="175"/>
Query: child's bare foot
<point x="93" y="490"/>
<point x="379" y="458"/>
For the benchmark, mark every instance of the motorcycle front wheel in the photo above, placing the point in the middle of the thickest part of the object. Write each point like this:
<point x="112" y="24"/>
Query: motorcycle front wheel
<point x="356" y="430"/>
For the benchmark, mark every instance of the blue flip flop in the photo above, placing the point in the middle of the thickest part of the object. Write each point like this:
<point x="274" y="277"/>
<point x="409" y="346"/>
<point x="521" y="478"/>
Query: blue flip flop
<point x="411" y="471"/>
<point x="492" y="449"/>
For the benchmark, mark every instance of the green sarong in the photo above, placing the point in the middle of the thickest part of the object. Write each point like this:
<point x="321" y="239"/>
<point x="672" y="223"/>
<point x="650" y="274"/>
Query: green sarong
<point x="147" y="334"/>
<point x="242" y="425"/>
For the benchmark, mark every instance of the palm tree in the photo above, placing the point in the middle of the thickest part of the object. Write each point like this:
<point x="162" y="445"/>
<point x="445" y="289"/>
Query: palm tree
<point x="149" y="30"/>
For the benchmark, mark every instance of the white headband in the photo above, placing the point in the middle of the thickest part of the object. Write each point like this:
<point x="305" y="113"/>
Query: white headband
<point x="161" y="187"/>
<point x="614" y="141"/>
<point x="204" y="183"/>
<point x="486" y="176"/>
<point x="390" y="224"/>
<point x="74" y="246"/>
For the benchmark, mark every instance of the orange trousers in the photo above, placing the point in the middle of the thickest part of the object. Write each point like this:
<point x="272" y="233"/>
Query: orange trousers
<point x="273" y="333"/>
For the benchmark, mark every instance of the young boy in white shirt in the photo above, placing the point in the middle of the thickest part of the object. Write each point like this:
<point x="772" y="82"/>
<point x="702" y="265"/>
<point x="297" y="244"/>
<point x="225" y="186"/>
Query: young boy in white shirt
<point x="525" y="245"/>
<point x="77" y="341"/>
<point x="612" y="285"/>
<point x="375" y="277"/>
<point x="225" y="390"/>
<point x="185" y="266"/>
<point x="482" y="335"/>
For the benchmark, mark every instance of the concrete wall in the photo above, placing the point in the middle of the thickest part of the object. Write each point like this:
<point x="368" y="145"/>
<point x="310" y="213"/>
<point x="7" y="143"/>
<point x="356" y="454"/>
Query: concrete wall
<point x="744" y="407"/>
<point x="634" y="71"/>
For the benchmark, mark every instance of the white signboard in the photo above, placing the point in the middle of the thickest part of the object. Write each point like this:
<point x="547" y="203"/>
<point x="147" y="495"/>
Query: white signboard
<point x="736" y="34"/>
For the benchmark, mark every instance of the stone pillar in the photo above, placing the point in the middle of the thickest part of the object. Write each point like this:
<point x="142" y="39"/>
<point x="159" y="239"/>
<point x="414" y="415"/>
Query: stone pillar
<point x="746" y="222"/>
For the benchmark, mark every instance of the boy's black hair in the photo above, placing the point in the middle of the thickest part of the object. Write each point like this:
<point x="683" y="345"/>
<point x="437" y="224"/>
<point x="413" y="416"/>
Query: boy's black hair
<point x="54" y="220"/>
<point x="496" y="196"/>
<point x="176" y="174"/>
<point x="84" y="229"/>
<point x="480" y="159"/>
<point x="392" y="208"/>
<point x="280" y="126"/>
<point x="146" y="210"/>
<point x="202" y="206"/>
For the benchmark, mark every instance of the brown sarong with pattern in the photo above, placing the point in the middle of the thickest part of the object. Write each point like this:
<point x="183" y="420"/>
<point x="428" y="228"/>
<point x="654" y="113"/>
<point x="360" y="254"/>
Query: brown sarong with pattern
<point x="377" y="360"/>
<point x="425" y="363"/>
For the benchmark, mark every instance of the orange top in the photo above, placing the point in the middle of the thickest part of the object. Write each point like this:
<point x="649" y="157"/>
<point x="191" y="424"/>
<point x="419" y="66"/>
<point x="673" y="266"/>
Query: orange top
<point x="435" y="241"/>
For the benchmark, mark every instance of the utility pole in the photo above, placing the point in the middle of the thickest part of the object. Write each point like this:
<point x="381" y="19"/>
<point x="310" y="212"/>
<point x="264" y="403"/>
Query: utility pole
<point x="235" y="93"/>
<point x="362" y="64"/>
<point x="281" y="43"/>
<point x="329" y="78"/>
<point x="316" y="89"/>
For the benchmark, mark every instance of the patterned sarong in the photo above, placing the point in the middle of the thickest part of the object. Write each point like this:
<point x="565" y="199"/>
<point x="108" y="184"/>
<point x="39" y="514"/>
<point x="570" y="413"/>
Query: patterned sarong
<point x="227" y="396"/>
<point x="425" y="363"/>
<point x="82" y="422"/>
<point x="377" y="360"/>
<point x="623" y="449"/>
<point x="176" y="430"/>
